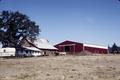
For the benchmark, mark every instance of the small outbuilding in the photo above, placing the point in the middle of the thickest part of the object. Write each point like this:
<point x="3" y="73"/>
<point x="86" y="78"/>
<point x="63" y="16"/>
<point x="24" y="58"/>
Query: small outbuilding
<point x="7" y="52"/>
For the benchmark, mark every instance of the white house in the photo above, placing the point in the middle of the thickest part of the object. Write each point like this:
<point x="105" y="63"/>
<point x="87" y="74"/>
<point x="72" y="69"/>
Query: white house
<point x="37" y="48"/>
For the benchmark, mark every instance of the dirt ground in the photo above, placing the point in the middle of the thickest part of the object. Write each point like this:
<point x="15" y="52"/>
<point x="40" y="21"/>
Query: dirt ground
<point x="105" y="67"/>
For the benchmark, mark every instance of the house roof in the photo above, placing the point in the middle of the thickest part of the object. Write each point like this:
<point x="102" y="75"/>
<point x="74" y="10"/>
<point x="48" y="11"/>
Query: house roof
<point x="31" y="48"/>
<point x="44" y="44"/>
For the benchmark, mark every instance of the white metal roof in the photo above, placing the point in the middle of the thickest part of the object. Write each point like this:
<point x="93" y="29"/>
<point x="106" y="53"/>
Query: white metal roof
<point x="97" y="46"/>
<point x="43" y="44"/>
<point x="31" y="48"/>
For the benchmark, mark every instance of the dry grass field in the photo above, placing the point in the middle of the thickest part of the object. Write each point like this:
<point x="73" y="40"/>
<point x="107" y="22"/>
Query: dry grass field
<point x="105" y="67"/>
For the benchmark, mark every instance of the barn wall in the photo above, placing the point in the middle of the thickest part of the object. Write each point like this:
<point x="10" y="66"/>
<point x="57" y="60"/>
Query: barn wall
<point x="60" y="48"/>
<point x="78" y="48"/>
<point x="95" y="50"/>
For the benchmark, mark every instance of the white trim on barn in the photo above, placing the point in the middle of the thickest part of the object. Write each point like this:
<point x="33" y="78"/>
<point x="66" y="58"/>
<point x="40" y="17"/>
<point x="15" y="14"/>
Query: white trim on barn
<point x="68" y="45"/>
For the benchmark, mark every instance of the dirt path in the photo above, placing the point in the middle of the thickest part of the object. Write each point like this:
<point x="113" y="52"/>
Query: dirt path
<point x="61" y="68"/>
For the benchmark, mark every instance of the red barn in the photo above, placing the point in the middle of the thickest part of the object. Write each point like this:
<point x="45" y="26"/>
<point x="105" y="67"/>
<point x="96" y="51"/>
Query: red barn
<point x="70" y="46"/>
<point x="76" y="47"/>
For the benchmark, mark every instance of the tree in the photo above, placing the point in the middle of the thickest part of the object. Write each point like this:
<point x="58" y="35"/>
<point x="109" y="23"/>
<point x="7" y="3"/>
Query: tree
<point x="115" y="48"/>
<point x="109" y="49"/>
<point x="14" y="26"/>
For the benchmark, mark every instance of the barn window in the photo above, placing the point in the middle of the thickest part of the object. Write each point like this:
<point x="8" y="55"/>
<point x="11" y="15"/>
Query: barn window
<point x="67" y="48"/>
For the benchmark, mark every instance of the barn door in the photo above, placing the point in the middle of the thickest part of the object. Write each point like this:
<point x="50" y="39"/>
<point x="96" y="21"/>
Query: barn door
<point x="67" y="48"/>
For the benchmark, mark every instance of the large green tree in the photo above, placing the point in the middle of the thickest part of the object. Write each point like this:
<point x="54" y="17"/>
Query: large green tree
<point x="14" y="26"/>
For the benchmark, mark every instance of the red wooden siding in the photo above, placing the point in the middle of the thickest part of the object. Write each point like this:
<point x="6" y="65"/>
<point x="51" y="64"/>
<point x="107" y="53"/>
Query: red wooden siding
<point x="95" y="50"/>
<point x="79" y="48"/>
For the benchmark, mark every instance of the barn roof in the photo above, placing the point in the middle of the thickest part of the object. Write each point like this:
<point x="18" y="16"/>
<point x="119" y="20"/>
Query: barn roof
<point x="96" y="46"/>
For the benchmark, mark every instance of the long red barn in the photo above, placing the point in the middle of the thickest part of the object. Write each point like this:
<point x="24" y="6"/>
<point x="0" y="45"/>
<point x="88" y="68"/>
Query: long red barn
<point x="76" y="47"/>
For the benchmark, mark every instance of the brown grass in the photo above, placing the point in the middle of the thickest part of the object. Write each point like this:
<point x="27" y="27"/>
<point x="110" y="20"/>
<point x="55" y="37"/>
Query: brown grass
<point x="105" y="67"/>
